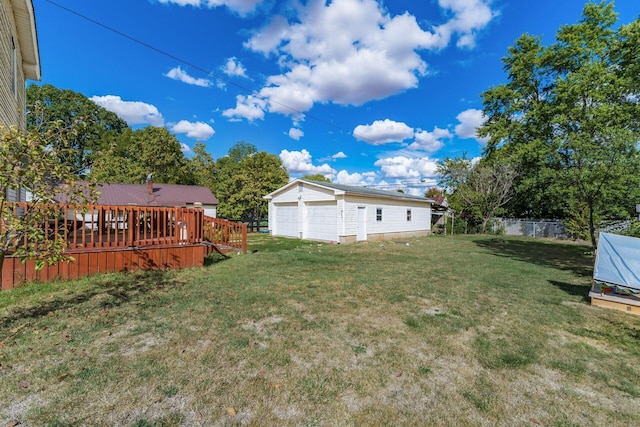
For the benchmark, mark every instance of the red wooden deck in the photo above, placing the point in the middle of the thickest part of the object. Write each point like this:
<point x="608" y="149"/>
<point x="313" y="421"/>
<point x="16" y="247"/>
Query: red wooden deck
<point x="126" y="238"/>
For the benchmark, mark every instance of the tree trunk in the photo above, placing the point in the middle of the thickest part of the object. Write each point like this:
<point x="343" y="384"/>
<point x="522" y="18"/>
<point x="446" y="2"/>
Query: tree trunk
<point x="484" y="224"/>
<point x="592" y="228"/>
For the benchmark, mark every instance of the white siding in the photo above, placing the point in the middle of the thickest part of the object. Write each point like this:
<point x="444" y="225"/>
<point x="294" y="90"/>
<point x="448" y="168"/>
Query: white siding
<point x="394" y="216"/>
<point x="12" y="102"/>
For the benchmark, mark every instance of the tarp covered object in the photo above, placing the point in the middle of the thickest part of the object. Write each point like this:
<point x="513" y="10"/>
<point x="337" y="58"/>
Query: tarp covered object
<point x="618" y="260"/>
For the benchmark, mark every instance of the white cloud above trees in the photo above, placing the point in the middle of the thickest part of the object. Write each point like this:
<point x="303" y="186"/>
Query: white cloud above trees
<point x="132" y="112"/>
<point x="301" y="162"/>
<point x="430" y="141"/>
<point x="407" y="167"/>
<point x="196" y="130"/>
<point x="469" y="122"/>
<point x="346" y="178"/>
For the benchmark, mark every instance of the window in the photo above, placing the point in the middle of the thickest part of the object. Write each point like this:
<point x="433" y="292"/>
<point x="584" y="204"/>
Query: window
<point x="378" y="214"/>
<point x="408" y="215"/>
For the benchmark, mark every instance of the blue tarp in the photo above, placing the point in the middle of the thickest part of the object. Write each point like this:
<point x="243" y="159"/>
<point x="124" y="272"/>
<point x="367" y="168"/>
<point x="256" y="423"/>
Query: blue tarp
<point x="618" y="260"/>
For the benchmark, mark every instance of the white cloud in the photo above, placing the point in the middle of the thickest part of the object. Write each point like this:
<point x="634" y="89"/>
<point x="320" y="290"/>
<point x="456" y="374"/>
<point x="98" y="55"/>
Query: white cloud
<point x="470" y="16"/>
<point x="346" y="178"/>
<point x="132" y="112"/>
<point x="247" y="107"/>
<point x="383" y="132"/>
<point x="234" y="68"/>
<point x="333" y="157"/>
<point x="300" y="162"/>
<point x="350" y="52"/>
<point x="295" y="133"/>
<point x="430" y="141"/>
<point x="241" y="7"/>
<point x="179" y="74"/>
<point x="185" y="148"/>
<point x="197" y="130"/>
<point x="470" y="120"/>
<point x="407" y="167"/>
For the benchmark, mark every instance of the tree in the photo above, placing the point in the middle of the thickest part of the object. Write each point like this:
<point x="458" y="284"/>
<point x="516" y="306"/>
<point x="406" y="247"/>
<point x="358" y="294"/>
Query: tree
<point x="259" y="174"/>
<point x="30" y="160"/>
<point x="483" y="188"/>
<point x="569" y="116"/>
<point x="316" y="177"/>
<point x="136" y="154"/>
<point x="243" y="177"/>
<point x="202" y="167"/>
<point x="84" y="127"/>
<point x="433" y="192"/>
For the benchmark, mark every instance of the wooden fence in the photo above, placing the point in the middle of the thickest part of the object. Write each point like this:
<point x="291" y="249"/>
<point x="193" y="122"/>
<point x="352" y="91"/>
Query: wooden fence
<point x="227" y="235"/>
<point x="119" y="238"/>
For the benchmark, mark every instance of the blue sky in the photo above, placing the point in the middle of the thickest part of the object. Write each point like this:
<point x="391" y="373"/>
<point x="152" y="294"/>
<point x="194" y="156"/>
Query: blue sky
<point x="364" y="92"/>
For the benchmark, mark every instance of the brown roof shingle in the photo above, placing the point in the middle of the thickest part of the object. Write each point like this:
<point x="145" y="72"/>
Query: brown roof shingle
<point x="173" y="195"/>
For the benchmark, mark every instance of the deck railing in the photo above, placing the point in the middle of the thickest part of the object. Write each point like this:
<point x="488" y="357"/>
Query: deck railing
<point x="225" y="234"/>
<point x="97" y="226"/>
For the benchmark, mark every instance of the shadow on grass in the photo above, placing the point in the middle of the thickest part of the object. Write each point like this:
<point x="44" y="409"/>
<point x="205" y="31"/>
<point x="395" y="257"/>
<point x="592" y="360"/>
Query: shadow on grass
<point x="565" y="256"/>
<point x="118" y="289"/>
<point x="577" y="290"/>
<point x="214" y="258"/>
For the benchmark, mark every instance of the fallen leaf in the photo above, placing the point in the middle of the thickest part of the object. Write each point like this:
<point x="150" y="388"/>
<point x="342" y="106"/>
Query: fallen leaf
<point x="231" y="411"/>
<point x="24" y="384"/>
<point x="13" y="423"/>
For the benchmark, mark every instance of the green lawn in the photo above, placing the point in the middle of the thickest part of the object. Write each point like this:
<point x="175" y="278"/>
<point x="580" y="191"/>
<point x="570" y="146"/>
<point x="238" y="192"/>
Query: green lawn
<point x="441" y="330"/>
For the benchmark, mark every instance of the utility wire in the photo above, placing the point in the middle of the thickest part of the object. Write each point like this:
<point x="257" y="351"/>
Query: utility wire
<point x="248" y="90"/>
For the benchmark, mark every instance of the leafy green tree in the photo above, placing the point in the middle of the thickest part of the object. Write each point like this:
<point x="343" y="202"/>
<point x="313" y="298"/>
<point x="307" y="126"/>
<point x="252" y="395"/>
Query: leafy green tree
<point x="243" y="177"/>
<point x="202" y="167"/>
<point x="480" y="189"/>
<point x="259" y="174"/>
<point x="433" y="192"/>
<point x="316" y="177"/>
<point x="86" y="127"/>
<point x="136" y="154"/>
<point x="569" y="117"/>
<point x="30" y="160"/>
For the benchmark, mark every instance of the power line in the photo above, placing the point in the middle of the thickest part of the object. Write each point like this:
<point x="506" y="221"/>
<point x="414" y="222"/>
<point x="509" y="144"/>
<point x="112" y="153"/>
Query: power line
<point x="248" y="90"/>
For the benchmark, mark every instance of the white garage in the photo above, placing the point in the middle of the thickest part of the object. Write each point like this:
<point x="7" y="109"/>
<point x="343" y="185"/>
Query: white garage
<point x="329" y="212"/>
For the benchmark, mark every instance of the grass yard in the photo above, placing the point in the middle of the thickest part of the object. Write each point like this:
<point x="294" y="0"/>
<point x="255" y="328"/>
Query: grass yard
<point x="440" y="331"/>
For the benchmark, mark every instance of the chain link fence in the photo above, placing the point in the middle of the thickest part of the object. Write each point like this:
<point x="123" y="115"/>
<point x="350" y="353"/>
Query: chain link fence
<point x="553" y="228"/>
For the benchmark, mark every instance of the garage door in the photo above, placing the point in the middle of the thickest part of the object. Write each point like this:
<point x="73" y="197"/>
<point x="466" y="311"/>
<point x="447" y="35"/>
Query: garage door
<point x="286" y="220"/>
<point x="321" y="221"/>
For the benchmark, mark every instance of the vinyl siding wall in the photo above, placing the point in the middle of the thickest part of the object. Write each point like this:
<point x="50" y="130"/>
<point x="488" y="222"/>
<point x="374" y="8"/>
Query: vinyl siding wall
<point x="394" y="216"/>
<point x="12" y="103"/>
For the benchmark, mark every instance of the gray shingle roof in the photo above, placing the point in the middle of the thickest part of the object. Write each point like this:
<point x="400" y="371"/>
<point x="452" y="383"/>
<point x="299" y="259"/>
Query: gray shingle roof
<point x="365" y="191"/>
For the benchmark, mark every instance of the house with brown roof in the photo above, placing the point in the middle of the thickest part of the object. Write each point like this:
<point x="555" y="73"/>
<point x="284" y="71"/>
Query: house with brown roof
<point x="154" y="194"/>
<point x="19" y="61"/>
